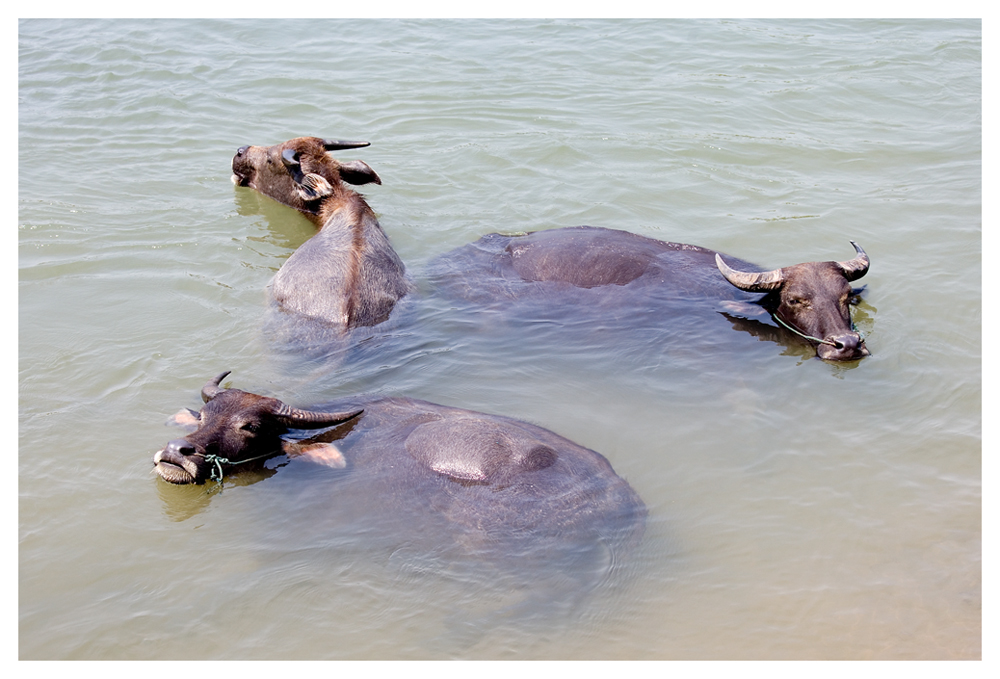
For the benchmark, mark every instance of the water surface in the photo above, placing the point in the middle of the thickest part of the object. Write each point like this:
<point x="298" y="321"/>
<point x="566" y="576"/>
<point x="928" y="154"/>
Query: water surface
<point x="797" y="508"/>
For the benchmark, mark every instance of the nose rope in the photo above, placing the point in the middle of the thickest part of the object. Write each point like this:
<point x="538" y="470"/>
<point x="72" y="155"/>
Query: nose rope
<point x="217" y="461"/>
<point x="798" y="332"/>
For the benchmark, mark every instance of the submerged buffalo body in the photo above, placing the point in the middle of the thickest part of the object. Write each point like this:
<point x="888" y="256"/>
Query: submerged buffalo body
<point x="617" y="277"/>
<point x="489" y="479"/>
<point x="347" y="275"/>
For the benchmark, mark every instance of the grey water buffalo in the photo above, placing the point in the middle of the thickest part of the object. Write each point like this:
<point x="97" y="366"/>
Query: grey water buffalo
<point x="346" y="275"/>
<point x="491" y="479"/>
<point x="610" y="276"/>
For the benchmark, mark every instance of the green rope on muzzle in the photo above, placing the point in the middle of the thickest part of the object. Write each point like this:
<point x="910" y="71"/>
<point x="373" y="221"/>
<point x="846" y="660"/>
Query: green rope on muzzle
<point x="217" y="461"/>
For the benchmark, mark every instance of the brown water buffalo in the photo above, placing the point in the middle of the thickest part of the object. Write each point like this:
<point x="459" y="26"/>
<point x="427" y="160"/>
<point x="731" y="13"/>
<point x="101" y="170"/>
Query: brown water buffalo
<point x="619" y="278"/>
<point x="347" y="275"/>
<point x="493" y="479"/>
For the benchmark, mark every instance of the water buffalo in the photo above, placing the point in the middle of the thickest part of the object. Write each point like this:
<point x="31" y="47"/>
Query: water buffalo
<point x="610" y="276"/>
<point x="492" y="481"/>
<point x="347" y="275"/>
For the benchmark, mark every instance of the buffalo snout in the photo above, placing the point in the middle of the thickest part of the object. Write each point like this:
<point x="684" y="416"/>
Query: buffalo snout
<point x="844" y="347"/>
<point x="178" y="462"/>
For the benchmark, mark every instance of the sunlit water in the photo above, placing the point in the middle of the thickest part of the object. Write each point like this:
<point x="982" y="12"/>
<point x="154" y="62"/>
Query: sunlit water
<point x="796" y="508"/>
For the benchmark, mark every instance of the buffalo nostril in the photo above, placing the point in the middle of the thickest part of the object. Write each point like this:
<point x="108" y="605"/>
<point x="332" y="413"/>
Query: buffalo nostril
<point x="180" y="447"/>
<point x="842" y="342"/>
<point x="241" y="150"/>
<point x="842" y="347"/>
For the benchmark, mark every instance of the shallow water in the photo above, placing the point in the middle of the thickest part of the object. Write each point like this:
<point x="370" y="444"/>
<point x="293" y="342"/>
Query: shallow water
<point x="797" y="508"/>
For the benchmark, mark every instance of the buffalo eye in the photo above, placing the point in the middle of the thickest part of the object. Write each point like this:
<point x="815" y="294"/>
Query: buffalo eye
<point x="251" y="427"/>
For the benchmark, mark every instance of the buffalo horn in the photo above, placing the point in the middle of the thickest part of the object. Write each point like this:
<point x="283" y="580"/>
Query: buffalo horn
<point x="337" y="144"/>
<point x="311" y="419"/>
<point x="211" y="388"/>
<point x="751" y="282"/>
<point x="857" y="267"/>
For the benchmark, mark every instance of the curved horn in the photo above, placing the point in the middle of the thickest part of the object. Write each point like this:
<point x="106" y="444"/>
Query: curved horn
<point x="211" y="388"/>
<point x="857" y="267"/>
<point x="290" y="157"/>
<point x="338" y="145"/>
<point x="311" y="419"/>
<point x="751" y="282"/>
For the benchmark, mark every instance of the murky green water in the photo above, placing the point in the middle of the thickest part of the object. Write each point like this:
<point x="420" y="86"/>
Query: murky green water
<point x="797" y="509"/>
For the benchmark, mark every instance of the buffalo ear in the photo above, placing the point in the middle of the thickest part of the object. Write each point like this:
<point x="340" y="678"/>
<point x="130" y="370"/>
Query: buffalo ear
<point x="856" y="294"/>
<point x="325" y="454"/>
<point x="746" y="310"/>
<point x="313" y="186"/>
<point x="358" y="172"/>
<point x="185" y="417"/>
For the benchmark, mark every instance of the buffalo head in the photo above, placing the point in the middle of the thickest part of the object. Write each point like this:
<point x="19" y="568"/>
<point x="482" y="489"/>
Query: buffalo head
<point x="811" y="299"/>
<point x="235" y="428"/>
<point x="300" y="172"/>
